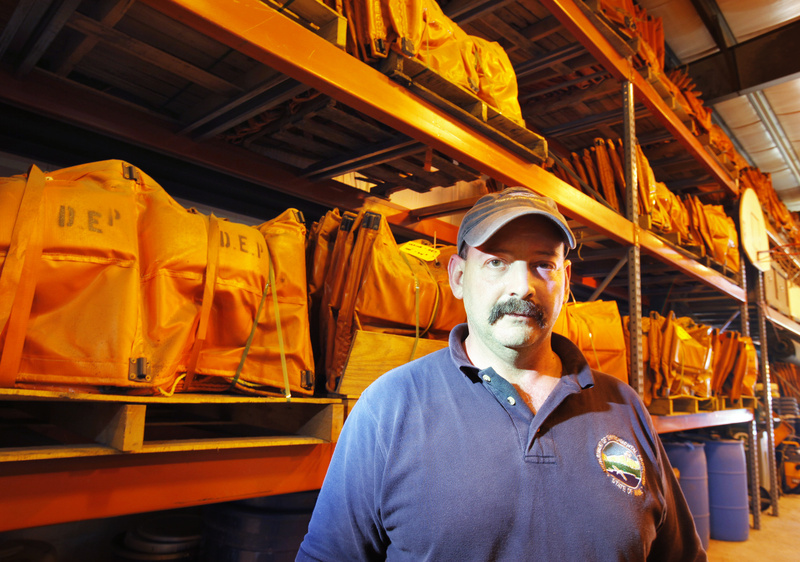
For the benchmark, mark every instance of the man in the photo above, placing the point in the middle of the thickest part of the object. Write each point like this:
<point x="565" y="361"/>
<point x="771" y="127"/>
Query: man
<point x="505" y="445"/>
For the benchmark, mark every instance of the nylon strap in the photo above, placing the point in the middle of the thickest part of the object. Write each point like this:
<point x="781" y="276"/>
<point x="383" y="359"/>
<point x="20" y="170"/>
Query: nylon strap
<point x="212" y="265"/>
<point x="21" y="264"/>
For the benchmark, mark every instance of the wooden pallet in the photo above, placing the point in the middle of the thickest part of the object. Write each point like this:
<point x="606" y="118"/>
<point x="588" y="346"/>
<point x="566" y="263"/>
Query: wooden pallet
<point x="373" y="353"/>
<point x="675" y="241"/>
<point x="465" y="106"/>
<point x="711" y="263"/>
<point x="697" y="253"/>
<point x="680" y="405"/>
<point x="728" y="403"/>
<point x="47" y="424"/>
<point x="680" y="243"/>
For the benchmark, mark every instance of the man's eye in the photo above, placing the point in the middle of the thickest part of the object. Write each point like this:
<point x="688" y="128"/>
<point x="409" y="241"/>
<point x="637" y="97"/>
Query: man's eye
<point x="547" y="266"/>
<point x="496" y="263"/>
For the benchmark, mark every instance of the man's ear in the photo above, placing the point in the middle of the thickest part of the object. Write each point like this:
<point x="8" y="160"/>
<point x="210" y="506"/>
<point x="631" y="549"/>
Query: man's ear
<point x="567" y="277"/>
<point x="455" y="270"/>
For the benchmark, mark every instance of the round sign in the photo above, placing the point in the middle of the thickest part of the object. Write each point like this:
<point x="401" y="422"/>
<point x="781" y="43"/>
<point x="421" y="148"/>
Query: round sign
<point x="754" y="230"/>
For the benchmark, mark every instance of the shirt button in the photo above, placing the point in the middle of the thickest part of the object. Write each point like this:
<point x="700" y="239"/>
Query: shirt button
<point x="511" y="400"/>
<point x="487" y="378"/>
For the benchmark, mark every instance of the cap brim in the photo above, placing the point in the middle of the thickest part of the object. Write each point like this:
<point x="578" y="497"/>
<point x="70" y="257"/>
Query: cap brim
<point x="486" y="229"/>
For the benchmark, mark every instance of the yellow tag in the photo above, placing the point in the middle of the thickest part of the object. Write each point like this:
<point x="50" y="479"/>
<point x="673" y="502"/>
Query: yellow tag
<point x="682" y="334"/>
<point x="420" y="250"/>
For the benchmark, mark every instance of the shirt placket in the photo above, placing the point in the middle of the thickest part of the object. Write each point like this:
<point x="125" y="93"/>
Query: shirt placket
<point x="536" y="439"/>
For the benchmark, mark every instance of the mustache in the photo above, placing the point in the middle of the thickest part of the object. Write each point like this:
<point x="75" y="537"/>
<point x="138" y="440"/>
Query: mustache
<point x="518" y="306"/>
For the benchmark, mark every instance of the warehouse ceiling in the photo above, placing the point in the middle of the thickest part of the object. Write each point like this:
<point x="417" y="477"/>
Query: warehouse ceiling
<point x="755" y="98"/>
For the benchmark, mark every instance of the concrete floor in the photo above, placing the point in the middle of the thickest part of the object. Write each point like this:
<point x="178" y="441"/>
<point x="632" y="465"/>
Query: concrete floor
<point x="778" y="540"/>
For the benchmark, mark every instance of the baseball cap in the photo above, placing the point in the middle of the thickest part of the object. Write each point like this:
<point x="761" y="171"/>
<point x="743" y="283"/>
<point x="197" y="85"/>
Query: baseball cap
<point x="495" y="210"/>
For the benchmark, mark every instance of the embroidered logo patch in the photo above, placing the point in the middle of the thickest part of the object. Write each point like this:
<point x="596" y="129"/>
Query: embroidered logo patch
<point x="622" y="463"/>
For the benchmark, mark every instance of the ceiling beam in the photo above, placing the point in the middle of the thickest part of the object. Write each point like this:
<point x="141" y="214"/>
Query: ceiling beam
<point x="715" y="22"/>
<point x="464" y="11"/>
<point x="753" y="65"/>
<point x="50" y="26"/>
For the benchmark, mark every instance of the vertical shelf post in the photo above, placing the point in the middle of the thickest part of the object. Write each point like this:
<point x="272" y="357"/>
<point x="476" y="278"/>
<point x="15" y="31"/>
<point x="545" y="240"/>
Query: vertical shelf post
<point x="767" y="394"/>
<point x="753" y="474"/>
<point x="636" y="366"/>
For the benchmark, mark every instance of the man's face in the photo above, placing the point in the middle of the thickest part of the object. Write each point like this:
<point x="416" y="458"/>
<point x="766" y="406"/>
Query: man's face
<point x="513" y="285"/>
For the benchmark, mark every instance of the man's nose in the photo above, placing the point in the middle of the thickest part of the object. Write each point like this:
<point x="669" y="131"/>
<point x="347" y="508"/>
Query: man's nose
<point x="521" y="280"/>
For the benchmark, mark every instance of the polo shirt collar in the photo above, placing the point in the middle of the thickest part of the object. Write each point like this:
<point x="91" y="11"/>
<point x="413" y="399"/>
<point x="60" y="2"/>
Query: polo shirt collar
<point x="574" y="363"/>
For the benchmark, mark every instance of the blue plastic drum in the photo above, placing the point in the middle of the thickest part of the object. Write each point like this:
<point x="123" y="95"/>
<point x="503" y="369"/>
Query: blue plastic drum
<point x="727" y="490"/>
<point x="690" y="460"/>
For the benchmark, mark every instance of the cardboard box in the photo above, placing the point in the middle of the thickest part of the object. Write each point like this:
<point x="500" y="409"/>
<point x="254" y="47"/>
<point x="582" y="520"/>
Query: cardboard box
<point x="778" y="298"/>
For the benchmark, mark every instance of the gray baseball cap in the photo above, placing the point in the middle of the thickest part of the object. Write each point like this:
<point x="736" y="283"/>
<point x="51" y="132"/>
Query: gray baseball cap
<point x="495" y="210"/>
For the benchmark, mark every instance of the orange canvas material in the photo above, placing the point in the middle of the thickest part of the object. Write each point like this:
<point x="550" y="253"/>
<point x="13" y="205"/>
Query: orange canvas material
<point x="591" y="171"/>
<point x="70" y="277"/>
<point x="686" y="359"/>
<point x="285" y="237"/>
<point x="388" y="291"/>
<point x="208" y="293"/>
<point x="414" y="285"/>
<point x="596" y="328"/>
<point x="726" y="350"/>
<point x="745" y="371"/>
<point x="695" y="220"/>
<point x="723" y="239"/>
<point x="419" y="29"/>
<point x="646" y="182"/>
<point x="703" y="336"/>
<point x="497" y="81"/>
<point x="680" y="357"/>
<point x="444" y="48"/>
<point x="345" y="319"/>
<point x="320" y="250"/>
<point x="656" y="341"/>
<point x="333" y="287"/>
<point x="568" y="177"/>
<point x="775" y="209"/>
<point x="688" y="363"/>
<point x="319" y="257"/>
<point x="605" y="173"/>
<point x="577" y="164"/>
<point x="669" y="212"/>
<point x="615" y="154"/>
<point x="128" y="276"/>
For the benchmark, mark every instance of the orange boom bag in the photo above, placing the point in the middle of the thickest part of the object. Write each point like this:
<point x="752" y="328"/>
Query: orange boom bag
<point x="111" y="283"/>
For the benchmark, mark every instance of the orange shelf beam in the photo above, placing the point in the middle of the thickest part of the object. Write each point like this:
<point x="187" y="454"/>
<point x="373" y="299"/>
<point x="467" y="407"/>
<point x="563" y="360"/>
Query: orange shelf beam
<point x="42" y="492"/>
<point x="669" y="424"/>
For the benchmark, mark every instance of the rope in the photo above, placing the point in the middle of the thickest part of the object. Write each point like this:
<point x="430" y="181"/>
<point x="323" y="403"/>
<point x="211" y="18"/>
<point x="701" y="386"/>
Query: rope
<point x="287" y="391"/>
<point x="249" y="342"/>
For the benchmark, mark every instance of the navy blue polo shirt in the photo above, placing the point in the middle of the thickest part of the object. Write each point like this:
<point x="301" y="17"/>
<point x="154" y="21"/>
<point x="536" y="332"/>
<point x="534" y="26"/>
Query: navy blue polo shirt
<point x="441" y="461"/>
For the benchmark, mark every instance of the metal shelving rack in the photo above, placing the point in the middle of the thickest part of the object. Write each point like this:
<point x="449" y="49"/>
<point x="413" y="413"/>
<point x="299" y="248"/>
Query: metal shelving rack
<point x="117" y="484"/>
